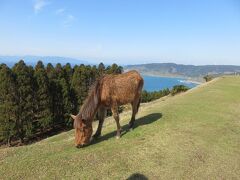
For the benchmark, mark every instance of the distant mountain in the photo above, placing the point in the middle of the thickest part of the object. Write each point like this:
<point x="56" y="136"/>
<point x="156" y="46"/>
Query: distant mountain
<point x="179" y="70"/>
<point x="32" y="60"/>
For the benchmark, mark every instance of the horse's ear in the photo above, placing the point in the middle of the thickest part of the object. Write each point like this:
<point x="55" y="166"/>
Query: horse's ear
<point x="74" y="117"/>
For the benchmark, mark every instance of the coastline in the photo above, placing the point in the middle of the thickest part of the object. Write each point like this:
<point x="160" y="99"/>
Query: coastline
<point x="185" y="79"/>
<point x="192" y="81"/>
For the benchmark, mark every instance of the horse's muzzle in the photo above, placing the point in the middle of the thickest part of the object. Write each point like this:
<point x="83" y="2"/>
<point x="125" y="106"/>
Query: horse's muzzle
<point x="80" y="146"/>
<point x="83" y="145"/>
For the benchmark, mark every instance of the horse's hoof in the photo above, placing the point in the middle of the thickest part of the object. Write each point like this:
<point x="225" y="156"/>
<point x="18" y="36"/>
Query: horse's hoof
<point x="117" y="137"/>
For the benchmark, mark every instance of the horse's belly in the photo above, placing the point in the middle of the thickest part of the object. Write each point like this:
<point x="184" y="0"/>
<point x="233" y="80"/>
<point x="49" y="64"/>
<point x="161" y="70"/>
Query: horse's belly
<point x="110" y="101"/>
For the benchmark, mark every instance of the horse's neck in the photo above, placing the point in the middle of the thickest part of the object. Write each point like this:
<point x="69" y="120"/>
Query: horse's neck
<point x="90" y="108"/>
<point x="93" y="113"/>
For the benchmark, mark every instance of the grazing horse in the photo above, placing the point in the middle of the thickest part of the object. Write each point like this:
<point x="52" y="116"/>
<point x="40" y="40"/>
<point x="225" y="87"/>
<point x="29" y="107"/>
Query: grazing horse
<point x="110" y="91"/>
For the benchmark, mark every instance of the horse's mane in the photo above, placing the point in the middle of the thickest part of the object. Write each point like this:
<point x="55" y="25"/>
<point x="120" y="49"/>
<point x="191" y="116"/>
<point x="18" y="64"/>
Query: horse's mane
<point x="91" y="103"/>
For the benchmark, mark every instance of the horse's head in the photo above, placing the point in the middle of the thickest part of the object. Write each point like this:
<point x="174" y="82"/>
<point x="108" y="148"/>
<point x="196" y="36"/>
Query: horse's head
<point x="83" y="131"/>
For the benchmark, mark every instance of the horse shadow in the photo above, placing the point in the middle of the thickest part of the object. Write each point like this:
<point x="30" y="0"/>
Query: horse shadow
<point x="145" y="120"/>
<point x="137" y="176"/>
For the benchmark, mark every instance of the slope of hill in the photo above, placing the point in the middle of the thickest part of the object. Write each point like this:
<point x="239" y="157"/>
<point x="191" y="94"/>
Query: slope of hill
<point x="171" y="69"/>
<point x="194" y="135"/>
<point x="32" y="60"/>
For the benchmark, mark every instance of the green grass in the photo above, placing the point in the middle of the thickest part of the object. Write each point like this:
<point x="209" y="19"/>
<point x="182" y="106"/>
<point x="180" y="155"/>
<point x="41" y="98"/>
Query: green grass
<point x="194" y="135"/>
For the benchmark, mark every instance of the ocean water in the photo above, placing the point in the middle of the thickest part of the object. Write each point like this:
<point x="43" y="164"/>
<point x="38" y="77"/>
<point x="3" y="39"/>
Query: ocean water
<point x="152" y="83"/>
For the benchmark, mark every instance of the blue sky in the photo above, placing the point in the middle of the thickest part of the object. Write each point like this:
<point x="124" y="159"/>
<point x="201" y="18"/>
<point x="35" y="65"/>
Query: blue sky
<point x="123" y="31"/>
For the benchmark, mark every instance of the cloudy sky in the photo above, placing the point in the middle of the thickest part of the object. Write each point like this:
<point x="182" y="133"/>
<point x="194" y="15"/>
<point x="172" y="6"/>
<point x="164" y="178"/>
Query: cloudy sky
<point x="123" y="31"/>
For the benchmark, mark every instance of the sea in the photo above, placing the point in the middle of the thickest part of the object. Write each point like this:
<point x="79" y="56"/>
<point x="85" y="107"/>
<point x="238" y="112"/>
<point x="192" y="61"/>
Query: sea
<point x="154" y="83"/>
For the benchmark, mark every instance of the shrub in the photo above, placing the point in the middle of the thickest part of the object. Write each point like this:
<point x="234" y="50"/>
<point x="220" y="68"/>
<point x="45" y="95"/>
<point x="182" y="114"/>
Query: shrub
<point x="208" y="78"/>
<point x="178" y="88"/>
<point x="150" y="96"/>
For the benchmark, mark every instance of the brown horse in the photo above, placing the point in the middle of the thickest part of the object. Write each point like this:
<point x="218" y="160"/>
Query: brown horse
<point x="110" y="91"/>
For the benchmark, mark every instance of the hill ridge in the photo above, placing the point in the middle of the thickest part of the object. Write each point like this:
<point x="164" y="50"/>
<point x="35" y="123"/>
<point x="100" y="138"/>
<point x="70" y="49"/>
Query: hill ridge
<point x="180" y="70"/>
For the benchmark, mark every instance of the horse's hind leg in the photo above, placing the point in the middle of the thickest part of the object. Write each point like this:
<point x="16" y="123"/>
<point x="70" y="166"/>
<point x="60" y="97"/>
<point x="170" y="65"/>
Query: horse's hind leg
<point x="135" y="105"/>
<point x="116" y="117"/>
<point x="101" y="116"/>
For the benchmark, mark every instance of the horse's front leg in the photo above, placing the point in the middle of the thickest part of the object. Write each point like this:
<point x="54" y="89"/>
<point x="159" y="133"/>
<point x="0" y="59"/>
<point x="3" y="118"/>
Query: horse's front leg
<point x="101" y="116"/>
<point x="116" y="117"/>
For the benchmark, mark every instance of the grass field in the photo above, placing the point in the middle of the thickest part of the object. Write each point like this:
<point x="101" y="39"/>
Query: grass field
<point x="194" y="135"/>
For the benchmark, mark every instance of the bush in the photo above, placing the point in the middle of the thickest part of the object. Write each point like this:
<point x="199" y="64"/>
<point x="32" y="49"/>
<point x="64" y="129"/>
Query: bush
<point x="178" y="88"/>
<point x="208" y="78"/>
<point x="150" y="96"/>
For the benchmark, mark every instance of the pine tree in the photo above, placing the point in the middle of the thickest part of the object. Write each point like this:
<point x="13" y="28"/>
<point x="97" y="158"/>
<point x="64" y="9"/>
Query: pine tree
<point x="101" y="69"/>
<point x="55" y="92"/>
<point x="89" y="80"/>
<point x="43" y="98"/>
<point x="68" y="72"/>
<point x="25" y="99"/>
<point x="80" y="83"/>
<point x="7" y="104"/>
<point x="114" y="69"/>
<point x="76" y="85"/>
<point x="86" y="80"/>
<point x="63" y="95"/>
<point x="68" y="105"/>
<point x="50" y="71"/>
<point x="59" y="104"/>
<point x="94" y="73"/>
<point x="67" y="94"/>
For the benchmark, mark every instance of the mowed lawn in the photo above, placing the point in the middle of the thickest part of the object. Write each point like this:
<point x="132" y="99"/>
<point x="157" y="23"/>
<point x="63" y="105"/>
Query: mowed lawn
<point x="194" y="135"/>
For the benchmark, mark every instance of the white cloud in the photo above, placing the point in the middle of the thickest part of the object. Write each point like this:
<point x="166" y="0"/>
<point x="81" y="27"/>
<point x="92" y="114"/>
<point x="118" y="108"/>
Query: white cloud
<point x="69" y="20"/>
<point x="39" y="4"/>
<point x="60" y="11"/>
<point x="66" y="18"/>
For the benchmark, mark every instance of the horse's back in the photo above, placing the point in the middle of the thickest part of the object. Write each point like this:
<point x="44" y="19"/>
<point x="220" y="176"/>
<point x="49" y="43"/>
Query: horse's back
<point x="123" y="88"/>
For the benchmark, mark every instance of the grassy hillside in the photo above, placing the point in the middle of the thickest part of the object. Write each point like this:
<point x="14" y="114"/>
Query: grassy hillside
<point x="192" y="135"/>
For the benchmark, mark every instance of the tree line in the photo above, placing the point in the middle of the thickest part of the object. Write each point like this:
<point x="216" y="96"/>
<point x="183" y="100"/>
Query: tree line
<point x="150" y="96"/>
<point x="37" y="100"/>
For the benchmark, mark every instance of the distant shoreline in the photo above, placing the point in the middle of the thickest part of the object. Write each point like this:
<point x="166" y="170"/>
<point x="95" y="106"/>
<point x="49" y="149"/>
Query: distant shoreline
<point x="186" y="79"/>
<point x="192" y="81"/>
